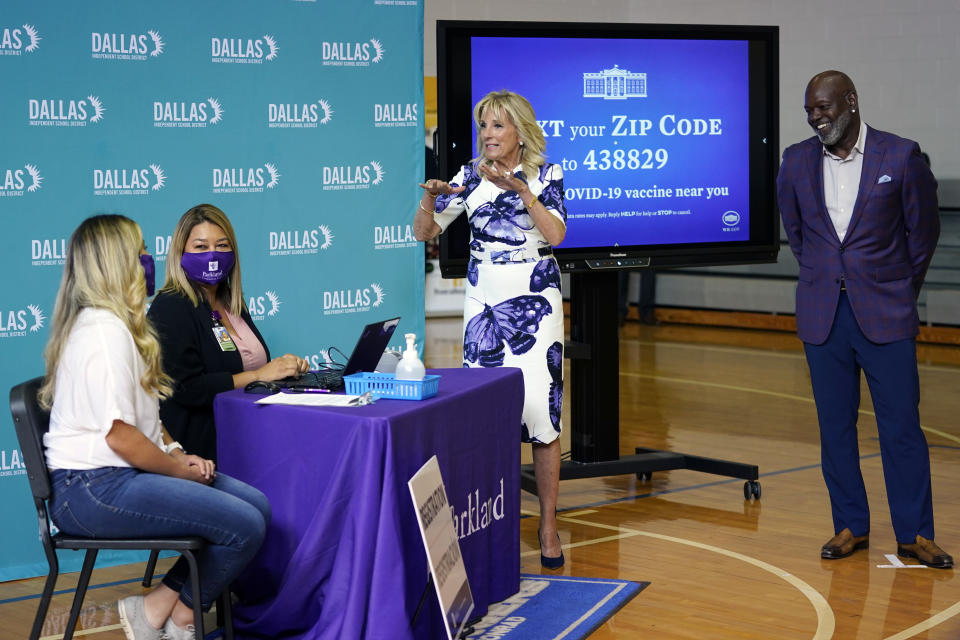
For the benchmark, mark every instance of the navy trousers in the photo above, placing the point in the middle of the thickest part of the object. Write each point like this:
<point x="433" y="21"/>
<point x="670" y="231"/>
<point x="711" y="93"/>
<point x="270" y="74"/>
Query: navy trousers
<point x="892" y="377"/>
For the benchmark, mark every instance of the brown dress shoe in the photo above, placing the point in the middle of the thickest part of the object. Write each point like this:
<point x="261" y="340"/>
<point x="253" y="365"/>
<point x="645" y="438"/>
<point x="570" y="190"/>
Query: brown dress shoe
<point x="843" y="544"/>
<point x="927" y="552"/>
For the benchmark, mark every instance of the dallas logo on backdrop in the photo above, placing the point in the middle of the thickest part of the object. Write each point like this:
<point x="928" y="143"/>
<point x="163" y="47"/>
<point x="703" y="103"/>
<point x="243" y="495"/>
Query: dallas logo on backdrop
<point x="128" y="181"/>
<point x="48" y="252"/>
<point x="196" y="114"/>
<point x="17" y="323"/>
<point x="14" y="41"/>
<point x="245" y="179"/>
<point x="65" y="112"/>
<point x="299" y="115"/>
<point x="267" y="305"/>
<point x="362" y="53"/>
<point x="244" y="50"/>
<point x="397" y="236"/>
<point x="300" y="241"/>
<point x="11" y="463"/>
<point x="353" y="300"/>
<point x="395" y="115"/>
<point x="358" y="176"/>
<point x="126" y="46"/>
<point x="19" y="181"/>
<point x="161" y="245"/>
<point x="319" y="359"/>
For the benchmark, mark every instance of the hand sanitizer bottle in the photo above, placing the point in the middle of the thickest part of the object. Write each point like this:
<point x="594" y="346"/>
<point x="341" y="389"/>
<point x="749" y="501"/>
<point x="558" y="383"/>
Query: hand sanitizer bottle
<point x="410" y="367"/>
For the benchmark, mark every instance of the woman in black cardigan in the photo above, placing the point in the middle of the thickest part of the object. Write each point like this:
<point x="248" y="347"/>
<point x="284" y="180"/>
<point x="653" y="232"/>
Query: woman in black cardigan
<point x="208" y="339"/>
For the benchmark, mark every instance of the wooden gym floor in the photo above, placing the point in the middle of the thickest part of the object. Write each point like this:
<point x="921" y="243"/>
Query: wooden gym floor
<point x="719" y="566"/>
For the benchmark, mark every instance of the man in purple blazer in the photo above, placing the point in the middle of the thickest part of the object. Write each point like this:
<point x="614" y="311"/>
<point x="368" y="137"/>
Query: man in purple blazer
<point x="860" y="210"/>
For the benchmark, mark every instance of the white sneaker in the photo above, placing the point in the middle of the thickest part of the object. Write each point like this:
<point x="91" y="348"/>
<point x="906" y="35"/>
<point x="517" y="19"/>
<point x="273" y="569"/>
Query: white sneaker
<point x="172" y="632"/>
<point x="133" y="619"/>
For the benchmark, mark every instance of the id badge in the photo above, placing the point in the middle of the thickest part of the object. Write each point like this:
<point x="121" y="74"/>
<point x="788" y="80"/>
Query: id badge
<point x="223" y="338"/>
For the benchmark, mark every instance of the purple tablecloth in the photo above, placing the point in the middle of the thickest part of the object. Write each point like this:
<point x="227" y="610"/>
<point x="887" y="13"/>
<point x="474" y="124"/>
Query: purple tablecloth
<point x="343" y="557"/>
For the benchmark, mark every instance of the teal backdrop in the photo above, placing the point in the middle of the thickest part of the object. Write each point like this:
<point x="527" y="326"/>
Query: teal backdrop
<point x="302" y="120"/>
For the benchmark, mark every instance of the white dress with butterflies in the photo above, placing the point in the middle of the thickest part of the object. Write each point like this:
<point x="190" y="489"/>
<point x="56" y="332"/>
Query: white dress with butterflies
<point x="513" y="313"/>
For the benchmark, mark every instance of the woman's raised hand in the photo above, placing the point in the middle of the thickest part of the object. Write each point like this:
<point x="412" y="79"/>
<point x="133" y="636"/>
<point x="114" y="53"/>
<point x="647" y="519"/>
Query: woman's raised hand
<point x="436" y="187"/>
<point x="502" y="179"/>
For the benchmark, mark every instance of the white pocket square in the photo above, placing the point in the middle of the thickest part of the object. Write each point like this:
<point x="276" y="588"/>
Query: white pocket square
<point x="884" y="178"/>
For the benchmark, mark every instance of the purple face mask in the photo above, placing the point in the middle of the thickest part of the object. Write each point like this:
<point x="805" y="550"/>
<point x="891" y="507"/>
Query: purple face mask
<point x="149" y="272"/>
<point x="208" y="267"/>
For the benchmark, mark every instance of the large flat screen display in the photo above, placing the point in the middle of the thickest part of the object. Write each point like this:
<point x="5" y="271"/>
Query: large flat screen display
<point x="667" y="134"/>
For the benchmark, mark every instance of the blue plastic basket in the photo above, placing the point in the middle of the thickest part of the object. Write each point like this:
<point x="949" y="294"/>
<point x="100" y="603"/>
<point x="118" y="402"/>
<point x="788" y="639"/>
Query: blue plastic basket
<point x="385" y="385"/>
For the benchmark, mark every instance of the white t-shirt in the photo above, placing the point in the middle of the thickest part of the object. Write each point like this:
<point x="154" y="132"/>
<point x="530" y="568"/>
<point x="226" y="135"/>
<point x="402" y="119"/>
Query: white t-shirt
<point x="98" y="381"/>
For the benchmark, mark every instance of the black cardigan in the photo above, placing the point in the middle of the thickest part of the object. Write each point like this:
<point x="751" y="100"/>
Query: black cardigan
<point x="199" y="368"/>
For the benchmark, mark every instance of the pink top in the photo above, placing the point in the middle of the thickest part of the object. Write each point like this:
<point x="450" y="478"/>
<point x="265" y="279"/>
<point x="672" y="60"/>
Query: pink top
<point x="251" y="350"/>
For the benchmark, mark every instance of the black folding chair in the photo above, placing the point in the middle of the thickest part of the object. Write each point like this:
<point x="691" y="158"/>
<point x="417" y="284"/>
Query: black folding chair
<point x="31" y="422"/>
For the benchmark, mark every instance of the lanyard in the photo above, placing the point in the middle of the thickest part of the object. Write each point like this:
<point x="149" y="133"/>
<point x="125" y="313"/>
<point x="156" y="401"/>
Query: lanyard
<point x="220" y="333"/>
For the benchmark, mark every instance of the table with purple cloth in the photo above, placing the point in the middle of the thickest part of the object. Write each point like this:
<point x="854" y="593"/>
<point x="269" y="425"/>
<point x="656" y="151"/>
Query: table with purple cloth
<point x="343" y="556"/>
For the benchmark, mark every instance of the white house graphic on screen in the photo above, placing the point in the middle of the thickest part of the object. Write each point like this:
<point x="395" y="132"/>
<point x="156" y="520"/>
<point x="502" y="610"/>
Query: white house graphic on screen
<point x="614" y="84"/>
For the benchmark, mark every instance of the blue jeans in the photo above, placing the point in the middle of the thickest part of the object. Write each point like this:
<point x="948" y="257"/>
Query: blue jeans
<point x="122" y="502"/>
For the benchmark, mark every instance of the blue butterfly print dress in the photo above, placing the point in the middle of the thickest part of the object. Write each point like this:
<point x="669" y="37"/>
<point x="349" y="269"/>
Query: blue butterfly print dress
<point x="513" y="313"/>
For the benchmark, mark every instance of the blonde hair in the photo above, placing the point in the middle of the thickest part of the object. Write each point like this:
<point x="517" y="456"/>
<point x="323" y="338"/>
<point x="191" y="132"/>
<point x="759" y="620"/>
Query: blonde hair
<point x="103" y="271"/>
<point x="521" y="114"/>
<point x="230" y="290"/>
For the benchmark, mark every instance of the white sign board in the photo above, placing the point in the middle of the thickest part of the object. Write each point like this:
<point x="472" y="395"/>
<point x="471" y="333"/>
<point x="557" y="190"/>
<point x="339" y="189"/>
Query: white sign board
<point x="443" y="296"/>
<point x="443" y="549"/>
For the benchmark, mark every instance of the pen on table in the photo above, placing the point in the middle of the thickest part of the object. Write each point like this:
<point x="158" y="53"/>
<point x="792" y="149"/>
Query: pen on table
<point x="296" y="390"/>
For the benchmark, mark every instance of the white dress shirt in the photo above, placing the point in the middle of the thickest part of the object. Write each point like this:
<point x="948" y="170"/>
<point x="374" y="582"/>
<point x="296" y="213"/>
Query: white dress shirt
<point x="841" y="182"/>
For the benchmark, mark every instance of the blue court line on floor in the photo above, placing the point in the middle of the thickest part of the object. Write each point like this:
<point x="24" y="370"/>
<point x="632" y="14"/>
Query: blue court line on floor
<point x="92" y="586"/>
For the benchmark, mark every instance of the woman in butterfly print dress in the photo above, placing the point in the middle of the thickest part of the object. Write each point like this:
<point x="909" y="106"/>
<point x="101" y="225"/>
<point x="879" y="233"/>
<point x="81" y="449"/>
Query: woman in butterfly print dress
<point x="513" y="313"/>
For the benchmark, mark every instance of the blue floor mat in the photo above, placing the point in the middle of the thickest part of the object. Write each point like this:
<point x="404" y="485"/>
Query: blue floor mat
<point x="554" y="608"/>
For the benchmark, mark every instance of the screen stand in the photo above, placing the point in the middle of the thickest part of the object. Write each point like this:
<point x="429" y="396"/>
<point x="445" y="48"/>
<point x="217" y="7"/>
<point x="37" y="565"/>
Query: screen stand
<point x="595" y="395"/>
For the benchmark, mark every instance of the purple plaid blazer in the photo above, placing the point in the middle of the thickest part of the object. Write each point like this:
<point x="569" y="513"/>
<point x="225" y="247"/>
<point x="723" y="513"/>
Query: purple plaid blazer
<point x="888" y="246"/>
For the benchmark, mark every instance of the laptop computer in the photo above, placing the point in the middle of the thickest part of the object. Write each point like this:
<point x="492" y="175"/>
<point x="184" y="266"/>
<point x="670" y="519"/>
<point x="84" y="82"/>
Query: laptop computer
<point x="365" y="355"/>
